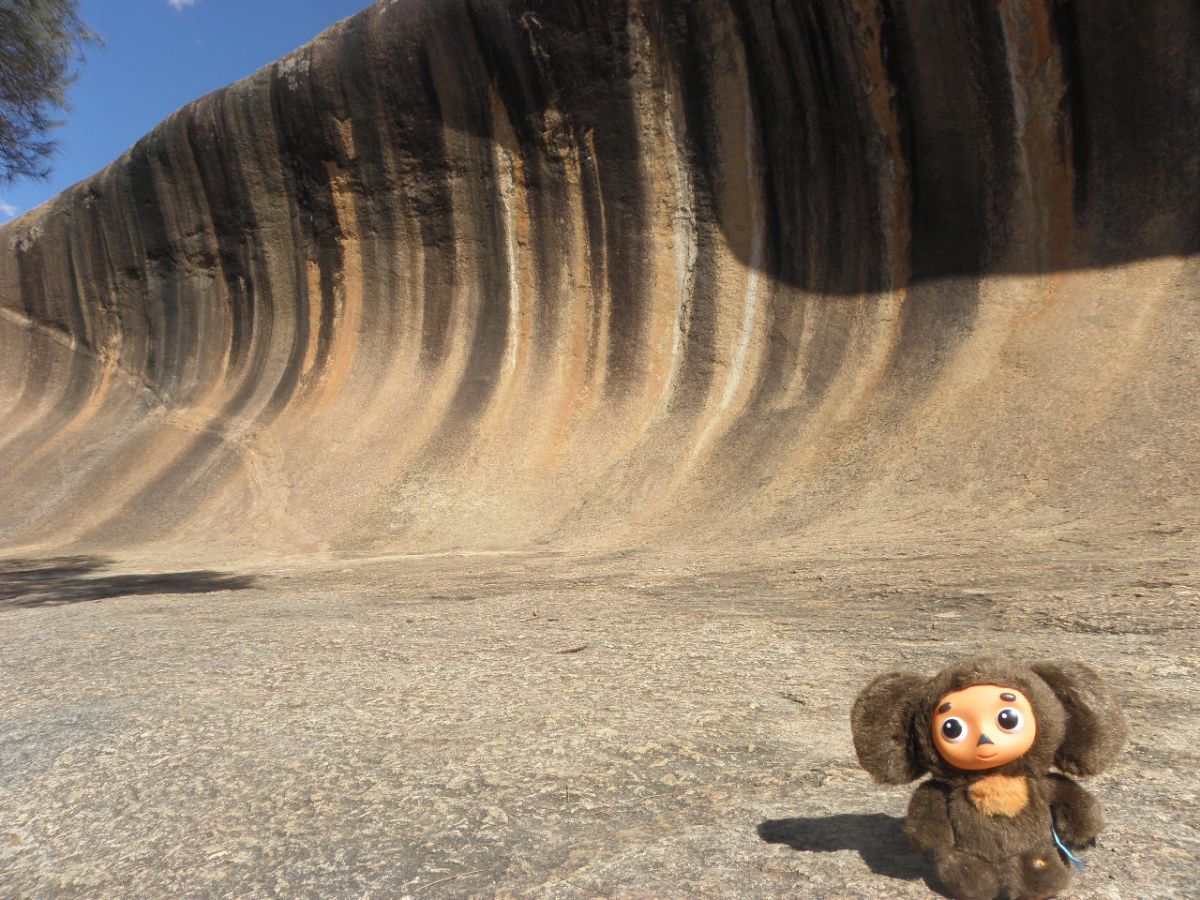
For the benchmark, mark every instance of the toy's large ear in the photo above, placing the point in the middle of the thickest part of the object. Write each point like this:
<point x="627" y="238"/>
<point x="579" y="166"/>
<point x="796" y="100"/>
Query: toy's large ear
<point x="882" y="724"/>
<point x="1095" y="728"/>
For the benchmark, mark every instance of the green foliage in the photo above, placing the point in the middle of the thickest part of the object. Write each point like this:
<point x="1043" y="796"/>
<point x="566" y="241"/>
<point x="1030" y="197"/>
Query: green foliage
<point x="40" y="41"/>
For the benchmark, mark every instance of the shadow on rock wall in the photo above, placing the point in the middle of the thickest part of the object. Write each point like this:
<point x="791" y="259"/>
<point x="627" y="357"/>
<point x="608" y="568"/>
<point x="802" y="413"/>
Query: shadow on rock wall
<point x="838" y="149"/>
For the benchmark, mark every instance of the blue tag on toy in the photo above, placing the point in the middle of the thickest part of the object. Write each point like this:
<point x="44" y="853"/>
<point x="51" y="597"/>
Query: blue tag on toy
<point x="1075" y="860"/>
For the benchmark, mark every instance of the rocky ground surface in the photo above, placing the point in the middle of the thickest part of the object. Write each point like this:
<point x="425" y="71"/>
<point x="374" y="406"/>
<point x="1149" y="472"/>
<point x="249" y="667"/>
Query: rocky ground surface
<point x="517" y="725"/>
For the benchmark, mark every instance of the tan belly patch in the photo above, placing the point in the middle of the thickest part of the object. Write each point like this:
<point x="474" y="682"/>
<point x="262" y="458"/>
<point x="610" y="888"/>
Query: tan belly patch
<point x="1000" y="795"/>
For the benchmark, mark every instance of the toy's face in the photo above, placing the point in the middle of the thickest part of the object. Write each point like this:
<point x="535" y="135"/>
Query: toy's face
<point x="984" y="726"/>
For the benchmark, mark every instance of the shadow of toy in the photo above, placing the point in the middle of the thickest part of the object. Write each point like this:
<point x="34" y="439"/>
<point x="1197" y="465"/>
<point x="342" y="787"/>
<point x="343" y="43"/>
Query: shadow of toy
<point x="878" y="838"/>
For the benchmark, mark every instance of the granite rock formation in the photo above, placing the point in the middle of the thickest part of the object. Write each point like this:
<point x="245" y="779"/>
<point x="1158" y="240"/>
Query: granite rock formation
<point x="493" y="273"/>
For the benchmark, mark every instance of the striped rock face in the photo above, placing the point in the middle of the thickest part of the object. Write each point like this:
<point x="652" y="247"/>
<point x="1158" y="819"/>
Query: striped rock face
<point x="498" y="273"/>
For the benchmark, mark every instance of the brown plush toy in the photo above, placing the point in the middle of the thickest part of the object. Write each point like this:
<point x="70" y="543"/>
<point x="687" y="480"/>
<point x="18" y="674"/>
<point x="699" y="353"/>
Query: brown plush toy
<point x="994" y="819"/>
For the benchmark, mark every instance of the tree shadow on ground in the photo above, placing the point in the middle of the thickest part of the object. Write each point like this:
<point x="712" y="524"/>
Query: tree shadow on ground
<point x="57" y="581"/>
<point x="878" y="838"/>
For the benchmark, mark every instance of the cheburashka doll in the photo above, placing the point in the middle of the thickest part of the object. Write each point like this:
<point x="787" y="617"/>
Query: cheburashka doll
<point x="994" y="819"/>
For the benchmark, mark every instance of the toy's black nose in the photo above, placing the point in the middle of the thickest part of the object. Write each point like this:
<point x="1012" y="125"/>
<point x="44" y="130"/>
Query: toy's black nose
<point x="984" y="739"/>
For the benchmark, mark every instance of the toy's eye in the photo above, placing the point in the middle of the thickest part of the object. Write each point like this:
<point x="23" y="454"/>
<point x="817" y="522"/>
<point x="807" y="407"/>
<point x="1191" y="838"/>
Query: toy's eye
<point x="1010" y="719"/>
<point x="954" y="730"/>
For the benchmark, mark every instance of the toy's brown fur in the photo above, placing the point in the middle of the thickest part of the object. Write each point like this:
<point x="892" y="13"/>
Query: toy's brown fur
<point x="985" y="838"/>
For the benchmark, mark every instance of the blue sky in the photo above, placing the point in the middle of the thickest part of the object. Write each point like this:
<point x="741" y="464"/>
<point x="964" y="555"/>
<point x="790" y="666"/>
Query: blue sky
<point x="158" y="56"/>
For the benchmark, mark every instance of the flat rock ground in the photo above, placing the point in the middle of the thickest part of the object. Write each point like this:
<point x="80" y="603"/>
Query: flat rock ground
<point x="550" y="725"/>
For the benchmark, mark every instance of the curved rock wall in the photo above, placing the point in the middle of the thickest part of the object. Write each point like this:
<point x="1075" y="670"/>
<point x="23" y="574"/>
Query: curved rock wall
<point x="475" y="273"/>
